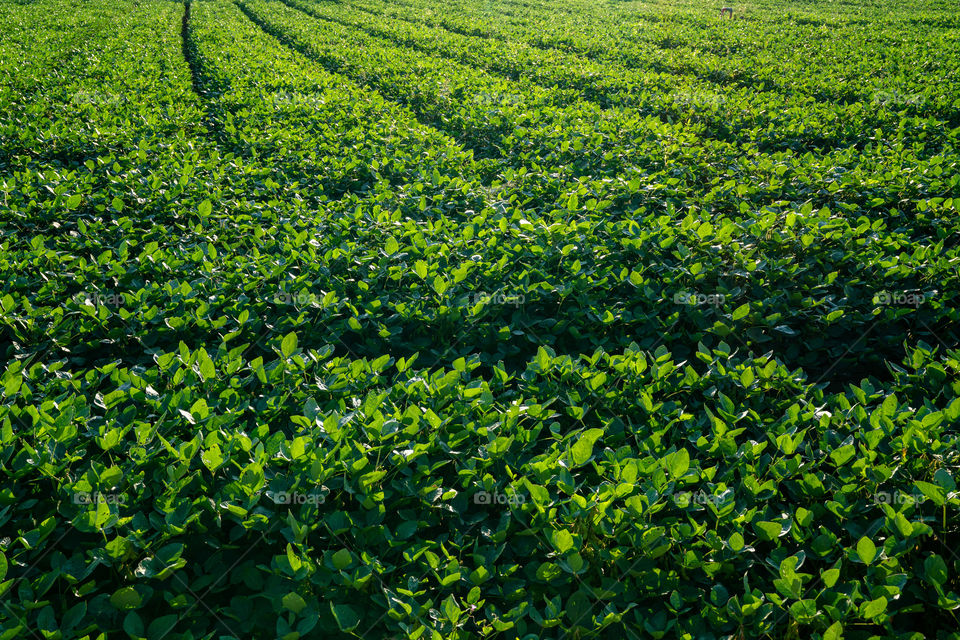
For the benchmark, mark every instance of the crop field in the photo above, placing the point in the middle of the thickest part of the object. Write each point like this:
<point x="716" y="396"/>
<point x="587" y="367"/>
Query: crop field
<point x="461" y="319"/>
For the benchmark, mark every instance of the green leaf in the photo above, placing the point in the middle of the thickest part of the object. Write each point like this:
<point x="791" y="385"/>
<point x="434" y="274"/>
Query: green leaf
<point x="677" y="463"/>
<point x="347" y="619"/>
<point x="420" y="268"/>
<point x="74" y="201"/>
<point x="741" y="312"/>
<point x="293" y="558"/>
<point x="830" y="577"/>
<point x="842" y="455"/>
<point x="768" y="531"/>
<point x="199" y="409"/>
<point x="866" y="550"/>
<point x="212" y="458"/>
<point x="288" y="345"/>
<point x="833" y="632"/>
<point x="889" y="406"/>
<point x="932" y="491"/>
<point x="945" y="480"/>
<point x="391" y="246"/>
<point x="450" y="609"/>
<point x="161" y="627"/>
<point x="582" y="449"/>
<point x="206" y="367"/>
<point x="935" y="570"/>
<point x="125" y="598"/>
<point x="874" y="608"/>
<point x="562" y="540"/>
<point x="736" y="541"/>
<point x="294" y="602"/>
<point x="205" y="208"/>
<point x="133" y="625"/>
<point x="342" y="559"/>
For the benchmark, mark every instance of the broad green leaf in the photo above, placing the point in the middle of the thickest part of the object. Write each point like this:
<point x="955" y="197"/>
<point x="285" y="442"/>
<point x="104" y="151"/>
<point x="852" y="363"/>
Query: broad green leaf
<point x="736" y="541"/>
<point x="288" y="345"/>
<point x="866" y="550"/>
<point x="833" y="632"/>
<point x="294" y="602"/>
<point x="874" y="608"/>
<point x="342" y="559"/>
<point x="420" y="268"/>
<point x="767" y="530"/>
<point x="562" y="540"/>
<point x="126" y="598"/>
<point x="346" y="617"/>
<point x="582" y="449"/>
<point x="935" y="570"/>
<point x="830" y="577"/>
<point x="677" y="463"/>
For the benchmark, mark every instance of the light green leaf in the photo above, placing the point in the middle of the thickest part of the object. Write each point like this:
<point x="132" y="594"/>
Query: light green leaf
<point x="391" y="246"/>
<point x="830" y="577"/>
<point x="420" y="268"/>
<point x="582" y="449"/>
<point x="289" y="344"/>
<point x="562" y="540"/>
<point x="768" y="531"/>
<point x="126" y="598"/>
<point x="874" y="608"/>
<point x="833" y="632"/>
<point x="866" y="550"/>
<point x="677" y="463"/>
<point x="342" y="559"/>
<point x="294" y="602"/>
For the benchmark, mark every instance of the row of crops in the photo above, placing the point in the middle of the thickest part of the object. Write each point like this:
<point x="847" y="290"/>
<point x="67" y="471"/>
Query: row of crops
<point x="502" y="318"/>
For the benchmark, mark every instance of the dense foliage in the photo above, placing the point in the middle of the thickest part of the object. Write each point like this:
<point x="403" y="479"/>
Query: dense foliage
<point x="513" y="318"/>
